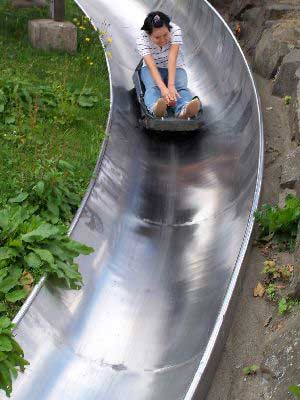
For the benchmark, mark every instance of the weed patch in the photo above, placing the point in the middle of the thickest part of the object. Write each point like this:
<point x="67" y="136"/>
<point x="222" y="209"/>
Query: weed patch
<point x="53" y="114"/>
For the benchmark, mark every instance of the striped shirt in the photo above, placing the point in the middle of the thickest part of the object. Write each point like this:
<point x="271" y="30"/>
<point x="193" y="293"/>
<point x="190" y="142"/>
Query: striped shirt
<point x="146" y="46"/>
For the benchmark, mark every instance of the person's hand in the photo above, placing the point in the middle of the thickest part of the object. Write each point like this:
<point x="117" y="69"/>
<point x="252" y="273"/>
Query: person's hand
<point x="165" y="93"/>
<point x="174" y="95"/>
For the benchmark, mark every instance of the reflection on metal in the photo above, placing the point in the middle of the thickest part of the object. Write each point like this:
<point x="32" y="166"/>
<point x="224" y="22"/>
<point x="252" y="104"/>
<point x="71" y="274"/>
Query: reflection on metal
<point x="170" y="219"/>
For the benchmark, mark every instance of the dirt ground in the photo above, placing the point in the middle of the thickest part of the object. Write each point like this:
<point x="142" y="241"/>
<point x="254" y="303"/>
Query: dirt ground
<point x="248" y="334"/>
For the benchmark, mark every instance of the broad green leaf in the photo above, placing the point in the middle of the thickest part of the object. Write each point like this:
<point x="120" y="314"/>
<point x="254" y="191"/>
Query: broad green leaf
<point x="3" y="356"/>
<point x="69" y="270"/>
<point x="70" y="273"/>
<point x="7" y="252"/>
<point x="78" y="248"/>
<point x="11" y="368"/>
<point x="3" y="273"/>
<point x="15" y="243"/>
<point x="56" y="249"/>
<point x="17" y="216"/>
<point x="42" y="232"/>
<point x="64" y="165"/>
<point x="5" y="322"/>
<point x="4" y="218"/>
<point x="16" y="295"/>
<point x="5" y="382"/>
<point x="39" y="187"/>
<point x="33" y="260"/>
<point x="87" y="101"/>
<point x="5" y="343"/>
<point x="3" y="307"/>
<point x="20" y="198"/>
<point x="45" y="255"/>
<point x="17" y="348"/>
<point x="53" y="208"/>
<point x="19" y="360"/>
<point x="8" y="283"/>
<point x="11" y="281"/>
<point x="10" y="119"/>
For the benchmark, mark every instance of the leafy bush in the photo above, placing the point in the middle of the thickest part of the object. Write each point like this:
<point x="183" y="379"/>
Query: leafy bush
<point x="30" y="243"/>
<point x="278" y="223"/>
<point x="11" y="356"/>
<point x="20" y="99"/>
<point x="34" y="241"/>
<point x="54" y="191"/>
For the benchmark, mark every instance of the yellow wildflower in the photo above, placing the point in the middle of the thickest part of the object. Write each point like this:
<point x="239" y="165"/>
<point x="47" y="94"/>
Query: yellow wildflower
<point x="91" y="63"/>
<point x="82" y="27"/>
<point x="87" y="39"/>
<point x="109" y="55"/>
<point x="109" y="40"/>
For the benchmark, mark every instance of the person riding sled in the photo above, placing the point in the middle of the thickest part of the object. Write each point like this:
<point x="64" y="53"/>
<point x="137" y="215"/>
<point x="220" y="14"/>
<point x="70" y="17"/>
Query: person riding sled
<point x="163" y="72"/>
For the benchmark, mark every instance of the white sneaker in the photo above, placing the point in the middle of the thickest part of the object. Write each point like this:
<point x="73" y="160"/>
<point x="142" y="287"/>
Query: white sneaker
<point x="190" y="109"/>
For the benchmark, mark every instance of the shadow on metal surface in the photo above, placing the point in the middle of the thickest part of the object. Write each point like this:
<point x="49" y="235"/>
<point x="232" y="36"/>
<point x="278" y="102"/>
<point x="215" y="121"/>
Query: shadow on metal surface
<point x="170" y="219"/>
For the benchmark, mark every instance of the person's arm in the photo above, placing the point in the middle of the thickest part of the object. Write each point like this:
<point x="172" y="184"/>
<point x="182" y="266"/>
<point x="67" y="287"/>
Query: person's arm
<point x="157" y="77"/>
<point x="154" y="71"/>
<point x="172" y="60"/>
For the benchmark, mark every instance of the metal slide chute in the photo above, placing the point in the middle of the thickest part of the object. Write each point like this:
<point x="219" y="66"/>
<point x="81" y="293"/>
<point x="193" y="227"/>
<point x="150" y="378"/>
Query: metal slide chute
<point x="170" y="219"/>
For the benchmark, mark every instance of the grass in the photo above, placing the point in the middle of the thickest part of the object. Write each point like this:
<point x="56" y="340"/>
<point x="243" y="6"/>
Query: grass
<point x="53" y="113"/>
<point x="30" y="133"/>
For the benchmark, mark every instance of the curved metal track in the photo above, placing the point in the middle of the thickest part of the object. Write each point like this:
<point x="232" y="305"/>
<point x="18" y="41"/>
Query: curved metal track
<point x="170" y="218"/>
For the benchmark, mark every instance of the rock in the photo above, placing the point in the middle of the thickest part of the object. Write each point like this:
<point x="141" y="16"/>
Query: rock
<point x="28" y="3"/>
<point x="278" y="11"/>
<point x="239" y="6"/>
<point x="285" y="258"/>
<point x="294" y="111"/>
<point x="286" y="80"/>
<point x="297" y="189"/>
<point x="291" y="169"/>
<point x="282" y="357"/>
<point x="293" y="291"/>
<point x="252" y="26"/>
<point x="275" y="43"/>
<point x="297" y="247"/>
<point x="255" y="15"/>
<point x="47" y="34"/>
<point x="272" y="366"/>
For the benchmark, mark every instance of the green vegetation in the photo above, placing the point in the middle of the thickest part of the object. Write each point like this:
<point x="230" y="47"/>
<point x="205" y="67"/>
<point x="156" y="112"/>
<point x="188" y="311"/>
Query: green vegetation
<point x="53" y="110"/>
<point x="295" y="390"/>
<point x="283" y="306"/>
<point x="11" y="356"/>
<point x="275" y="278"/>
<point x="287" y="100"/>
<point x="251" y="370"/>
<point x="271" y="291"/>
<point x="280" y="224"/>
<point x="34" y="242"/>
<point x="51" y="104"/>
